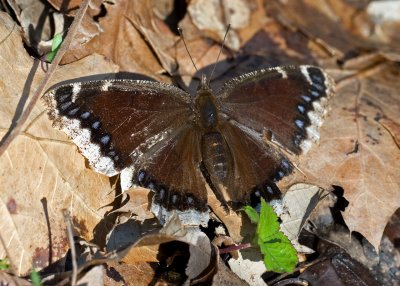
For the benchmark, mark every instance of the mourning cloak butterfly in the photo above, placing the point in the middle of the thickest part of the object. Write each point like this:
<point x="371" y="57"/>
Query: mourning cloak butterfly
<point x="160" y="137"/>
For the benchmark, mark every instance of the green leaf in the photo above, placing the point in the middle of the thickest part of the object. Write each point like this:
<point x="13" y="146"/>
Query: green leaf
<point x="252" y="214"/>
<point x="35" y="278"/>
<point x="55" y="45"/>
<point x="57" y="40"/>
<point x="279" y="254"/>
<point x="50" y="56"/>
<point x="268" y="225"/>
<point x="4" y="265"/>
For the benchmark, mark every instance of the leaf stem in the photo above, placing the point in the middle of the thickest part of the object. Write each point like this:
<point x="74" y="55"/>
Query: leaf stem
<point x="234" y="247"/>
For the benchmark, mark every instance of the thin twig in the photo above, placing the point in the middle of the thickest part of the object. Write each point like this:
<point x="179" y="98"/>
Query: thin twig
<point x="72" y="247"/>
<point x="63" y="49"/>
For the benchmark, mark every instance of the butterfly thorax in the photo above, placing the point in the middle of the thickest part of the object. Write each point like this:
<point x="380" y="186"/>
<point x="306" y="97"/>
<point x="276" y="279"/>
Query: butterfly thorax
<point x="206" y="107"/>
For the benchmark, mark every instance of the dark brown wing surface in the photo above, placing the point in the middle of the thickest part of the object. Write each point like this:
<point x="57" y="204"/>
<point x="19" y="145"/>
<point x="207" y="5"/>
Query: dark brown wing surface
<point x="257" y="166"/>
<point x="115" y="122"/>
<point x="142" y="129"/>
<point x="286" y="102"/>
<point x="172" y="171"/>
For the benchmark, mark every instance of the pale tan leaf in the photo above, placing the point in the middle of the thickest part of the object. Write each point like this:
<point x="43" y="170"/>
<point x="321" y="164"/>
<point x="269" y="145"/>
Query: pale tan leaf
<point x="11" y="280"/>
<point x="214" y="17"/>
<point x="298" y="203"/>
<point x="93" y="277"/>
<point x="41" y="172"/>
<point x="357" y="153"/>
<point x="137" y="205"/>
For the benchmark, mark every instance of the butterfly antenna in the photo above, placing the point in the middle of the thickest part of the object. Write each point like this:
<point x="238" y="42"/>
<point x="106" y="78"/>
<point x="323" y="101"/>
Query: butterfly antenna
<point x="187" y="50"/>
<point x="220" y="50"/>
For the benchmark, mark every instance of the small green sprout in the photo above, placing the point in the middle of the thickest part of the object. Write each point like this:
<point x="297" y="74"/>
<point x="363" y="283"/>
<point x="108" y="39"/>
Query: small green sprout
<point x="55" y="45"/>
<point x="35" y="278"/>
<point x="4" y="264"/>
<point x="279" y="254"/>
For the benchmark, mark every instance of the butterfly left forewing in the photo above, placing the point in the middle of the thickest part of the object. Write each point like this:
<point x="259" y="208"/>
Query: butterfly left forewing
<point x="288" y="103"/>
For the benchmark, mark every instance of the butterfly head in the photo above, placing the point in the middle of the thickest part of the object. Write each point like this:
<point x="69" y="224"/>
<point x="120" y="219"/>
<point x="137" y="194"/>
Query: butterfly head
<point x="204" y="86"/>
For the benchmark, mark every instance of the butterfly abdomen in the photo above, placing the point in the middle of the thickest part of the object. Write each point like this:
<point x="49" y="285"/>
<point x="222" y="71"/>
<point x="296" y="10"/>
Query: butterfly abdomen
<point x="217" y="160"/>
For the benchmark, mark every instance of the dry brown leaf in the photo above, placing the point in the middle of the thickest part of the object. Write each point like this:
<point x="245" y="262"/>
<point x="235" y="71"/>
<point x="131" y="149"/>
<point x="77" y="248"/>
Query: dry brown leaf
<point x="122" y="234"/>
<point x="93" y="277"/>
<point x="141" y="15"/>
<point x="214" y="17"/>
<point x="11" y="280"/>
<point x="40" y="22"/>
<point x="147" y="249"/>
<point x="41" y="172"/>
<point x="144" y="249"/>
<point x="147" y="253"/>
<point x="142" y="274"/>
<point x="348" y="27"/>
<point x="137" y="204"/>
<point x="89" y="28"/>
<point x="225" y="276"/>
<point x="257" y="21"/>
<point x="393" y="128"/>
<point x="71" y="6"/>
<point x="357" y="153"/>
<point x="65" y="6"/>
<point x="35" y="26"/>
<point x="119" y="41"/>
